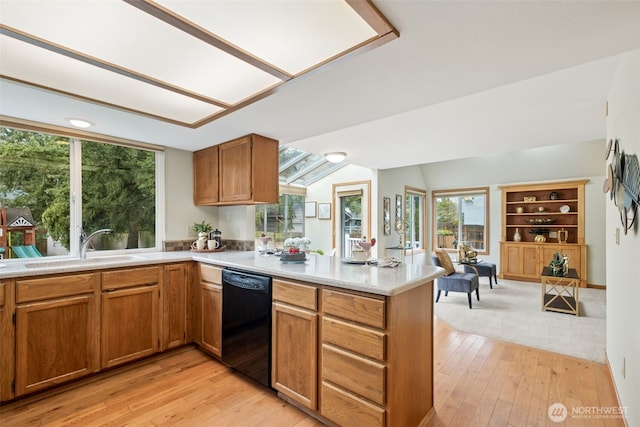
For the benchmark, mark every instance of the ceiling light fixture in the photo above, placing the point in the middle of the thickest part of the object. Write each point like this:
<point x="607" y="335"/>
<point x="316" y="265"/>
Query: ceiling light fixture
<point x="80" y="123"/>
<point x="335" y="156"/>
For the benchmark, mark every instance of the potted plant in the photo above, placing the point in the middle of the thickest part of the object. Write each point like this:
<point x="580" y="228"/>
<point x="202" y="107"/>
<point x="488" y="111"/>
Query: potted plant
<point x="202" y="229"/>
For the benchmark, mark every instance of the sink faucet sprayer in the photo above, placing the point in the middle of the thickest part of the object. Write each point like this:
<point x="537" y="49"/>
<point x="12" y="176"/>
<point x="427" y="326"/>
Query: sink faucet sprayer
<point x="85" y="240"/>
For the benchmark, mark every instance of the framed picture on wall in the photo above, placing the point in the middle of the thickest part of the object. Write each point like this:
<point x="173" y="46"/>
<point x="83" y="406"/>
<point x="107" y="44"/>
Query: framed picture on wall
<point x="310" y="209"/>
<point x="324" y="210"/>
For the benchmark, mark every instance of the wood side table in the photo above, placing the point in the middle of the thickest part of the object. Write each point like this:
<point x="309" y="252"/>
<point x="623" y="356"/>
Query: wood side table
<point x="560" y="293"/>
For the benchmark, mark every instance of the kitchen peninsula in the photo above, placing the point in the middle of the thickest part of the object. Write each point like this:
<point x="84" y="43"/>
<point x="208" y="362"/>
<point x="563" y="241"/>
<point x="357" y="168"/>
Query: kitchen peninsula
<point x="351" y="343"/>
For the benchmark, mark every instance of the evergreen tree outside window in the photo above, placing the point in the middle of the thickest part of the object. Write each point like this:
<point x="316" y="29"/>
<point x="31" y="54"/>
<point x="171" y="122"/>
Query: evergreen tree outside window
<point x="117" y="185"/>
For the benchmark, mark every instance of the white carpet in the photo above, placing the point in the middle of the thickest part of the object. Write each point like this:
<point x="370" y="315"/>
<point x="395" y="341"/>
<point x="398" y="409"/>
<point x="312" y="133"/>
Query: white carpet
<point x="511" y="311"/>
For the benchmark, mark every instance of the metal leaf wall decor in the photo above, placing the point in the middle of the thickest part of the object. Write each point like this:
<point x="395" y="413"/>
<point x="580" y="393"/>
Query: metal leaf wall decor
<point x="623" y="183"/>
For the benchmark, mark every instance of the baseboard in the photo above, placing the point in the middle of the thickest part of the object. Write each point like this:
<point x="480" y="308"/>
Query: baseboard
<point x="615" y="388"/>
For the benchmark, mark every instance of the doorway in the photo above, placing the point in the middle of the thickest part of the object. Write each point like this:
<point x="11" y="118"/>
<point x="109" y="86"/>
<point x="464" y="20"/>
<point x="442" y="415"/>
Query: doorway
<point x="351" y="212"/>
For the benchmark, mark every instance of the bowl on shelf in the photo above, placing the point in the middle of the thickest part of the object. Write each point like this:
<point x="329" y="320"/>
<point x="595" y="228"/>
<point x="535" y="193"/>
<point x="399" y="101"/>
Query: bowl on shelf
<point x="540" y="221"/>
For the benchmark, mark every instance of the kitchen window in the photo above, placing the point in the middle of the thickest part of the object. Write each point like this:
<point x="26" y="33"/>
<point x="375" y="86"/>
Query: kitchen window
<point x="51" y="185"/>
<point x="282" y="220"/>
<point x="461" y="216"/>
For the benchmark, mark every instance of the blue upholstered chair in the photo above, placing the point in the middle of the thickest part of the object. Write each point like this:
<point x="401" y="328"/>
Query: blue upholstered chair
<point x="453" y="280"/>
<point x="484" y="269"/>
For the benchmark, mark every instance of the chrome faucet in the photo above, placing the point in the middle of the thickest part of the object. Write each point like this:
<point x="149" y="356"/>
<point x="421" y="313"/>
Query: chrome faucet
<point x="85" y="240"/>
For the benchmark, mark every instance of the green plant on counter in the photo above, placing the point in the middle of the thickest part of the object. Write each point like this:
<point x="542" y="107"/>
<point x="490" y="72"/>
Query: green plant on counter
<point x="202" y="227"/>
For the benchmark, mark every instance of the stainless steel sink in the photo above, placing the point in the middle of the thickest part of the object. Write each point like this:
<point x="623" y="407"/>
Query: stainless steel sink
<point x="83" y="261"/>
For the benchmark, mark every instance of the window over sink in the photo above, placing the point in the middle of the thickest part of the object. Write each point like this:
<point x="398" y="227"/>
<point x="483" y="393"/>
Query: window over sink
<point x="65" y="182"/>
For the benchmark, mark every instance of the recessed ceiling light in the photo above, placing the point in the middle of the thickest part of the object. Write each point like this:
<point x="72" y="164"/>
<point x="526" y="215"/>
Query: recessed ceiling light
<point x="335" y="156"/>
<point x="80" y="123"/>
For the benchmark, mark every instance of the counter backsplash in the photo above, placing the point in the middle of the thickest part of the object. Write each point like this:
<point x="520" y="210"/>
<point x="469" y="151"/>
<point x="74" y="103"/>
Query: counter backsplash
<point x="185" y="245"/>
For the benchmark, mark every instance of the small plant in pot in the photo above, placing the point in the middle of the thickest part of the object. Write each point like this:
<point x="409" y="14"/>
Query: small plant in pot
<point x="202" y="229"/>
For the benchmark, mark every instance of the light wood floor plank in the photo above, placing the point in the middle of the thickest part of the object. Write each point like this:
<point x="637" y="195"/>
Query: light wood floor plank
<point x="478" y="382"/>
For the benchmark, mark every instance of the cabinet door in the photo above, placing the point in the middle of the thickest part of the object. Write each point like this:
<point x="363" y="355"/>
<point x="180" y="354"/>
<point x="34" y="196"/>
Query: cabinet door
<point x="129" y="324"/>
<point x="205" y="176"/>
<point x="211" y="326"/>
<point x="56" y="341"/>
<point x="7" y="338"/>
<point x="294" y="369"/>
<point x="520" y="261"/>
<point x="236" y="171"/>
<point x="174" y="303"/>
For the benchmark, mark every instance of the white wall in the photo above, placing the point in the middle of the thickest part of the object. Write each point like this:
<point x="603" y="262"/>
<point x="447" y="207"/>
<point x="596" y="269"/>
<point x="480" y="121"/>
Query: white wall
<point x="623" y="285"/>
<point x="554" y="163"/>
<point x="237" y="222"/>
<point x="180" y="211"/>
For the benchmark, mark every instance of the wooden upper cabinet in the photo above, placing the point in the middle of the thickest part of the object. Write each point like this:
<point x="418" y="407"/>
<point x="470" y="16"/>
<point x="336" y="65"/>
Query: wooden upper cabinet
<point x="205" y="173"/>
<point x="247" y="172"/>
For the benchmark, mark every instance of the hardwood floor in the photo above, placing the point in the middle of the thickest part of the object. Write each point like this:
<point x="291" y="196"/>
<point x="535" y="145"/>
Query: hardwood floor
<point x="485" y="382"/>
<point x="478" y="382"/>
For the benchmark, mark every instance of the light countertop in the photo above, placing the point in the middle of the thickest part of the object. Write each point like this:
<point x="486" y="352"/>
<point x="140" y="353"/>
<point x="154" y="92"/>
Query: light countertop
<point x="317" y="269"/>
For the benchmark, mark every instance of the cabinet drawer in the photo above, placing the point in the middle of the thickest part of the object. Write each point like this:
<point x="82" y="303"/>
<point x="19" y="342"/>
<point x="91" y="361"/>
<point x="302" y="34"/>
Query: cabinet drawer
<point x="295" y="294"/>
<point x="210" y="274"/>
<point x="367" y="311"/>
<point x="346" y="409"/>
<point x="55" y="287"/>
<point x="2" y="291"/>
<point x="355" y="338"/>
<point x="365" y="377"/>
<point x="130" y="277"/>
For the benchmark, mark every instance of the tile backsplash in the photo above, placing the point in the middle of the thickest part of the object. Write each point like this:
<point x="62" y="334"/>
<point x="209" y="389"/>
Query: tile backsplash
<point x="185" y="245"/>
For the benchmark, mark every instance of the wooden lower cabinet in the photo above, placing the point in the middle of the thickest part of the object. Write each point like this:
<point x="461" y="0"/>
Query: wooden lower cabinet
<point x="209" y="309"/>
<point x="347" y="409"/>
<point x="7" y="339"/>
<point x="174" y="305"/>
<point x="524" y="261"/>
<point x="520" y="261"/>
<point x="130" y="315"/>
<point x="57" y="330"/>
<point x="354" y="358"/>
<point x="576" y="255"/>
<point x="68" y="326"/>
<point x="295" y="342"/>
<point x="349" y="322"/>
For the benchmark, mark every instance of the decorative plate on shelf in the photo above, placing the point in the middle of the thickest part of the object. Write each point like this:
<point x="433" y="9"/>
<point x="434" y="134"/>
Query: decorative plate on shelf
<point x="565" y="208"/>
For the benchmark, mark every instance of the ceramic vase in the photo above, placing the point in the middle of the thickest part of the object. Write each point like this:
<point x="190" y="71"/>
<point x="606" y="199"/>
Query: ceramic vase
<point x="516" y="236"/>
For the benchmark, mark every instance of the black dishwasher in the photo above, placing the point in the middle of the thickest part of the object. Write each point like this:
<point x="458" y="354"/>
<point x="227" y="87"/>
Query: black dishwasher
<point x="246" y="324"/>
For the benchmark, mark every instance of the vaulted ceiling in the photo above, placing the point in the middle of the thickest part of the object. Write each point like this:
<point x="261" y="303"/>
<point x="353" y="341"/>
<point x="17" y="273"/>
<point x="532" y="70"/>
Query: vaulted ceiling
<point x="462" y="79"/>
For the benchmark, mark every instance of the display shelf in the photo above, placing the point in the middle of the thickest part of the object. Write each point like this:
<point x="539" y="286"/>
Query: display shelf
<point x="555" y="207"/>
